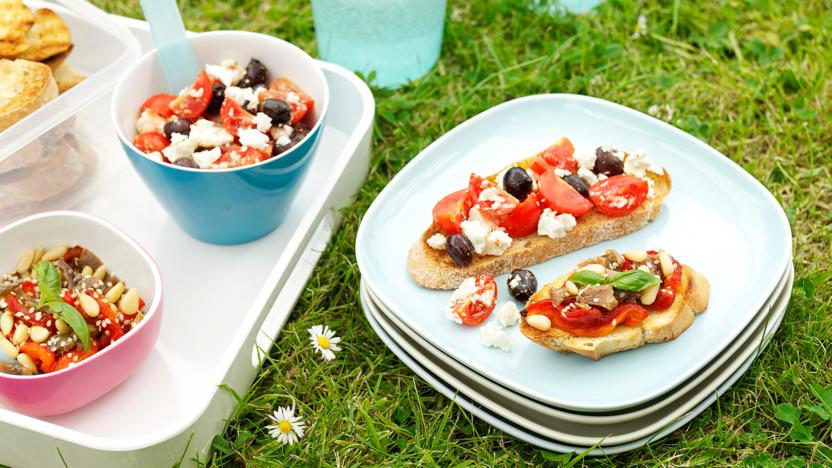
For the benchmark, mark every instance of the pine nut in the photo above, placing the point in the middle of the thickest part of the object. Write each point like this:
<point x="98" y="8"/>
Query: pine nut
<point x="6" y="323"/>
<point x="21" y="334"/>
<point x="25" y="262"/>
<point x="8" y="348"/>
<point x="39" y="334"/>
<point x="89" y="305"/>
<point x="25" y="361"/>
<point x="648" y="296"/>
<point x="596" y="268"/>
<point x="666" y="263"/>
<point x="129" y="303"/>
<point x="114" y="293"/>
<point x="54" y="254"/>
<point x="636" y="255"/>
<point x="86" y="272"/>
<point x="62" y="327"/>
<point x="38" y="255"/>
<point x="571" y="288"/>
<point x="541" y="322"/>
<point x="100" y="272"/>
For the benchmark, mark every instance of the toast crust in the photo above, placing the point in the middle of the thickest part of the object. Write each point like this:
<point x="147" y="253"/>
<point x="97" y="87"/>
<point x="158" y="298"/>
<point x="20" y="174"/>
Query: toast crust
<point x="659" y="327"/>
<point x="27" y="86"/>
<point x="434" y="269"/>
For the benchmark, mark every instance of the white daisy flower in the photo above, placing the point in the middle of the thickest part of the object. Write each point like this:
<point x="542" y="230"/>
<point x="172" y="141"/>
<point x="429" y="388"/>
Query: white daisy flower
<point x="288" y="428"/>
<point x="641" y="27"/>
<point x="324" y="340"/>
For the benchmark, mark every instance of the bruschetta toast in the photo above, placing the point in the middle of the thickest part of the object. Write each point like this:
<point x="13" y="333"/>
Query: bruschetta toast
<point x="547" y="205"/>
<point x="614" y="303"/>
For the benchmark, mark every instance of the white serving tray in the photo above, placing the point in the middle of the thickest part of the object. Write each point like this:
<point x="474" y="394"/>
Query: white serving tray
<point x="401" y="347"/>
<point x="222" y="303"/>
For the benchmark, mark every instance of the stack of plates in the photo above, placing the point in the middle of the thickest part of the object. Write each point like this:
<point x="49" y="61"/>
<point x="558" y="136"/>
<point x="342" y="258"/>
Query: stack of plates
<point x="717" y="219"/>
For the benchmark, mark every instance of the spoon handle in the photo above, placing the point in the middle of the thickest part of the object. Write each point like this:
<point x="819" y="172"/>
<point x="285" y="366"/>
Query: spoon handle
<point x="174" y="51"/>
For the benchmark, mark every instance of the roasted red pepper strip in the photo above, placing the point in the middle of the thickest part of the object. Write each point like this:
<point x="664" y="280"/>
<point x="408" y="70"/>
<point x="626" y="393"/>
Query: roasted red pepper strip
<point x="22" y="313"/>
<point x="77" y="355"/>
<point x="40" y="354"/>
<point x="73" y="253"/>
<point x="111" y="318"/>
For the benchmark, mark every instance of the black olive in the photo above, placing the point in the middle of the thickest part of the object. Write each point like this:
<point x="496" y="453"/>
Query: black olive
<point x="182" y="126"/>
<point x="517" y="182"/>
<point x="186" y="162"/>
<point x="298" y="134"/>
<point x="578" y="184"/>
<point x="522" y="284"/>
<point x="217" y="97"/>
<point x="606" y="163"/>
<point x="256" y="73"/>
<point x="278" y="110"/>
<point x="460" y="249"/>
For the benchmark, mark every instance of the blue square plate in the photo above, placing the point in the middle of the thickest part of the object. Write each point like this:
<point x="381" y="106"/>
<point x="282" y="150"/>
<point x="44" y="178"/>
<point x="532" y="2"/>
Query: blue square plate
<point x="718" y="219"/>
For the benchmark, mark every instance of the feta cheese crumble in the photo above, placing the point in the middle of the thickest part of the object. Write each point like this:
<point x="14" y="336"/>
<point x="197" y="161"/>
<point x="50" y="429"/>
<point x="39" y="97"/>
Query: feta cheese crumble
<point x="183" y="149"/>
<point x="229" y="72"/>
<point x="150" y="121"/>
<point x="207" y="134"/>
<point x="474" y="214"/>
<point x="586" y="159"/>
<point x="262" y="121"/>
<point x="493" y="336"/>
<point x="639" y="164"/>
<point x="508" y="315"/>
<point x="587" y="175"/>
<point x="496" y="242"/>
<point x="253" y="138"/>
<point x="554" y="225"/>
<point x="437" y="241"/>
<point x="476" y="232"/>
<point x="208" y="157"/>
<point x="245" y="97"/>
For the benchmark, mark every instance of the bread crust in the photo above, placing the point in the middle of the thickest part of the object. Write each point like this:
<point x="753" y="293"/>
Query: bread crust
<point x="31" y="86"/>
<point x="434" y="269"/>
<point x="691" y="299"/>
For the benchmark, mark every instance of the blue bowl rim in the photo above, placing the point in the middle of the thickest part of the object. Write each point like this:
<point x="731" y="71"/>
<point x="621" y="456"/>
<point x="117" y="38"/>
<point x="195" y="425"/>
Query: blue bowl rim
<point x="312" y="132"/>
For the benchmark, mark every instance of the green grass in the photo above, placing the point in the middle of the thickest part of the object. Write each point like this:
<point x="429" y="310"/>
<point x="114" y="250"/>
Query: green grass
<point x="751" y="78"/>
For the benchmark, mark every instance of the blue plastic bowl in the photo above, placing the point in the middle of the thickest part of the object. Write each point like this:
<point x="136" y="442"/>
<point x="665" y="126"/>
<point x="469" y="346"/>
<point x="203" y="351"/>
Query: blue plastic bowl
<point x="224" y="206"/>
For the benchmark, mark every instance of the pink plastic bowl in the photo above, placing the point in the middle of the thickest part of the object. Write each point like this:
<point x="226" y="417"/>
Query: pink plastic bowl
<point x="76" y="386"/>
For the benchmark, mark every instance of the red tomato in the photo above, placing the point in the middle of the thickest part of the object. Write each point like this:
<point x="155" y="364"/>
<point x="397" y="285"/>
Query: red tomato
<point x="667" y="291"/>
<point x="193" y="102"/>
<point x="497" y="205"/>
<point x="562" y="197"/>
<point x="476" y="185"/>
<point x="78" y="355"/>
<point x="540" y="166"/>
<point x="73" y="253"/>
<point x="40" y="354"/>
<point x="618" y="195"/>
<point x="630" y="314"/>
<point x="560" y="155"/>
<point x="451" y="211"/>
<point x="234" y="117"/>
<point x="475" y="308"/>
<point x="298" y="108"/>
<point x="243" y="158"/>
<point x="160" y="104"/>
<point x="523" y="220"/>
<point x="149" y="142"/>
<point x="285" y="85"/>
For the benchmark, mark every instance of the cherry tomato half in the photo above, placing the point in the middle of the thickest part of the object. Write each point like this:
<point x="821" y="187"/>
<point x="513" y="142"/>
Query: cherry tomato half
<point x="234" y="117"/>
<point x="243" y="158"/>
<point x="559" y="155"/>
<point x="474" y="309"/>
<point x="149" y="142"/>
<point x="286" y="86"/>
<point x="562" y="197"/>
<point x="618" y="195"/>
<point x="523" y="220"/>
<point x="160" y="104"/>
<point x="193" y="102"/>
<point x="497" y="205"/>
<point x="451" y="211"/>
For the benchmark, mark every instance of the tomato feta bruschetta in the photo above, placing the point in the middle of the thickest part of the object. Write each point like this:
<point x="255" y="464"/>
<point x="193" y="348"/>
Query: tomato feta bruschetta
<point x="59" y="307"/>
<point x="229" y="117"/>
<point x="616" y="302"/>
<point x="550" y="204"/>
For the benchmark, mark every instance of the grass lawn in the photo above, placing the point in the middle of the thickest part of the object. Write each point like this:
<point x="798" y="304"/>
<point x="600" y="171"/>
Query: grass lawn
<point x="751" y="78"/>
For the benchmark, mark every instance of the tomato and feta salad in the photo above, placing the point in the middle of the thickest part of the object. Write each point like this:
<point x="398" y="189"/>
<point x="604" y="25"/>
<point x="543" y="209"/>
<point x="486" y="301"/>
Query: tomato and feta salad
<point x="229" y="117"/>
<point x="610" y="291"/>
<point x="60" y="307"/>
<point x="545" y="195"/>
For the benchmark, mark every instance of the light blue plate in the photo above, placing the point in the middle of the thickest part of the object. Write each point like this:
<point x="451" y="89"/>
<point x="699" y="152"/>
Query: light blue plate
<point x="718" y="219"/>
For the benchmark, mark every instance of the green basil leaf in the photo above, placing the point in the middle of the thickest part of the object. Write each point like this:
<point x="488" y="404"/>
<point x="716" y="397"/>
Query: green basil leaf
<point x="633" y="280"/>
<point x="49" y="282"/>
<point x="73" y="318"/>
<point x="586" y="277"/>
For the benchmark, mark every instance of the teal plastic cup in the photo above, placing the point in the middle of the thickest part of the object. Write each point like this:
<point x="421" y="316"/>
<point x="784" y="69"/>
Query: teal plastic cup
<point x="399" y="40"/>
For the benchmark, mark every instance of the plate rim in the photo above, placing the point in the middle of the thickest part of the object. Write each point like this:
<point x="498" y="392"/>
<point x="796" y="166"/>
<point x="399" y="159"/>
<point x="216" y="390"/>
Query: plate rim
<point x="388" y="191"/>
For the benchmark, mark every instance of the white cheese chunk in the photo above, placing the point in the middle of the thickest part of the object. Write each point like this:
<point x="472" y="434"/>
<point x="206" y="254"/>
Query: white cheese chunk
<point x="253" y="138"/>
<point x="183" y="149"/>
<point x="466" y="289"/>
<point x="205" y="159"/>
<point x="561" y="172"/>
<point x="262" y="121"/>
<point x="586" y="159"/>
<point x="245" y="97"/>
<point x="229" y="73"/>
<point x="437" y="241"/>
<point x="150" y="121"/>
<point x="474" y="214"/>
<point x="176" y="138"/>
<point x="496" y="242"/>
<point x="476" y="232"/>
<point x="156" y="156"/>
<point x="493" y="336"/>
<point x="508" y="315"/>
<point x="587" y="175"/>
<point x="207" y="134"/>
<point x="554" y="225"/>
<point x="639" y="164"/>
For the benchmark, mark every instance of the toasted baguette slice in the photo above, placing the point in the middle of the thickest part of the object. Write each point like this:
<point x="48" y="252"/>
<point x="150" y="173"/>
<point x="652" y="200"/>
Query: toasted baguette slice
<point x="24" y="87"/>
<point x="434" y="269"/>
<point x="49" y="36"/>
<point x="691" y="299"/>
<point x="67" y="77"/>
<point x="16" y="19"/>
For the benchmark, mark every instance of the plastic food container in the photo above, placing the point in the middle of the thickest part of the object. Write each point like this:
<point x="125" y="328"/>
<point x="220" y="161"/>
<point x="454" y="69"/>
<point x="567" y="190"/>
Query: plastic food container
<point x="42" y="163"/>
<point x="224" y="206"/>
<point x="71" y="388"/>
